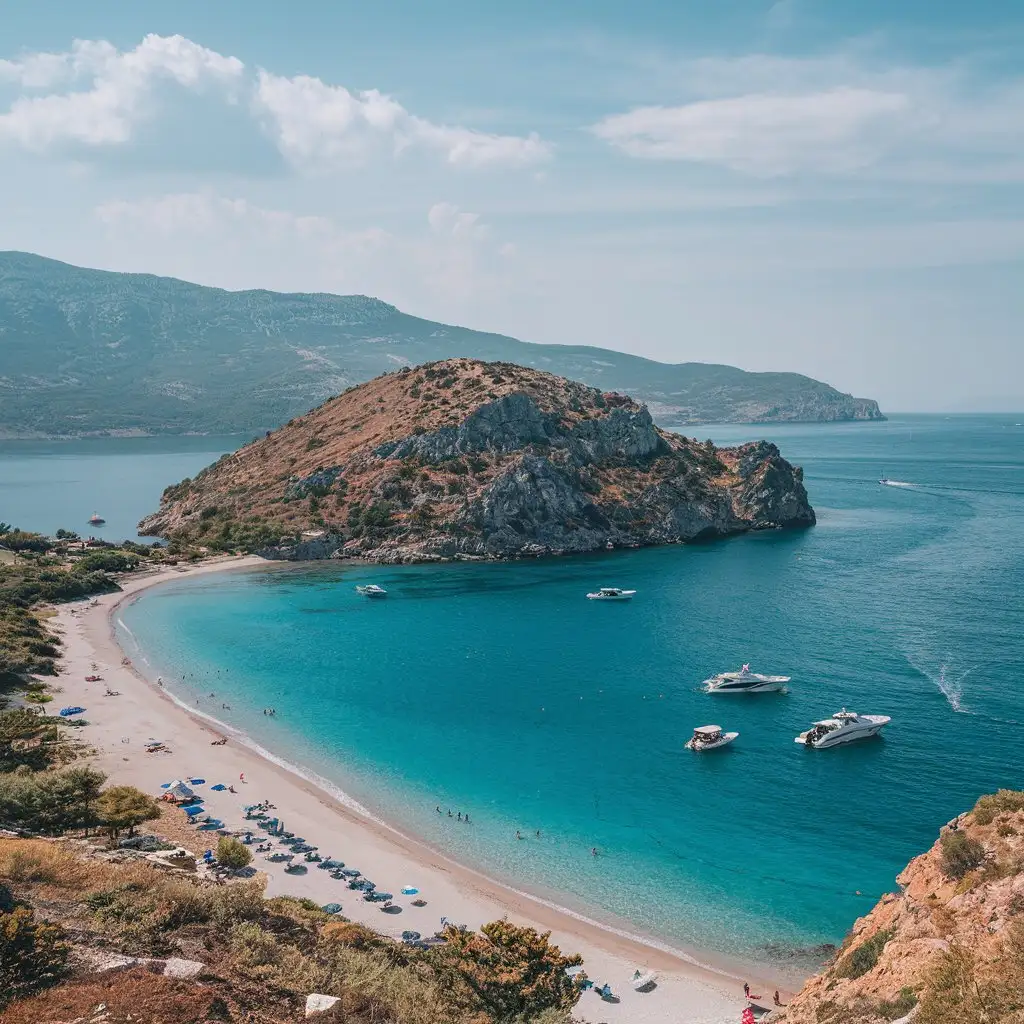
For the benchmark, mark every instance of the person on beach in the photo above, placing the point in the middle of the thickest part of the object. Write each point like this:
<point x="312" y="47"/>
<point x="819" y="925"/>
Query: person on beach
<point x="241" y="776"/>
<point x="746" y="991"/>
<point x="778" y="1001"/>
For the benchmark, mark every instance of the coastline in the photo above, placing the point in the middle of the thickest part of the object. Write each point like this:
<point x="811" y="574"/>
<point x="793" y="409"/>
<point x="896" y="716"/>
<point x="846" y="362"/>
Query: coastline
<point x="119" y="725"/>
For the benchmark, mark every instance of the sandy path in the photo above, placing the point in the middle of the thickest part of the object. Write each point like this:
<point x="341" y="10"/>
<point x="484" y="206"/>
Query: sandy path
<point x="119" y="726"/>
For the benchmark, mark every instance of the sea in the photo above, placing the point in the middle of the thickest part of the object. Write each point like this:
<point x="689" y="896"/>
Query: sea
<point x="499" y="691"/>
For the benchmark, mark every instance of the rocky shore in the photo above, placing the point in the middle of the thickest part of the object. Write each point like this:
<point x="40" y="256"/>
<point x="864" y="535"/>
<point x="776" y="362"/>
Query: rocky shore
<point x="464" y="459"/>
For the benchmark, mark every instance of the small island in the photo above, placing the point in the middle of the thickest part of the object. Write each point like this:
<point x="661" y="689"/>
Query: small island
<point x="468" y="459"/>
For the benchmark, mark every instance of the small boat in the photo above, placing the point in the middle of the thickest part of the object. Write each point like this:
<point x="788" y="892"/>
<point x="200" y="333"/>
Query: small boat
<point x="744" y="681"/>
<point x="96" y="519"/>
<point x="611" y="594"/>
<point x="843" y="727"/>
<point x="709" y="737"/>
<point x="372" y="590"/>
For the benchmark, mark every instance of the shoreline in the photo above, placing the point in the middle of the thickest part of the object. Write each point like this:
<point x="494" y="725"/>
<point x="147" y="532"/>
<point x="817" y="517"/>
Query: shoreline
<point x="706" y="993"/>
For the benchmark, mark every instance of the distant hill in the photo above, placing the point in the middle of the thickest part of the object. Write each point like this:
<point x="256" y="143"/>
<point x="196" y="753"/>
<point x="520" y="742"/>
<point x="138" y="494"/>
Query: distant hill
<point x="90" y="351"/>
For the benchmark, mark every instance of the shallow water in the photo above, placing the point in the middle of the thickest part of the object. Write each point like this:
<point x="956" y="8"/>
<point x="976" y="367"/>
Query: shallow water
<point x="499" y="690"/>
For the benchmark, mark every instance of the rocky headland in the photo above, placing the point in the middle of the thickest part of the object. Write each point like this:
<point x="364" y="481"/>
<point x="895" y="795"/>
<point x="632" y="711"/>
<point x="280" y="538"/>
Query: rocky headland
<point x="948" y="948"/>
<point x="466" y="459"/>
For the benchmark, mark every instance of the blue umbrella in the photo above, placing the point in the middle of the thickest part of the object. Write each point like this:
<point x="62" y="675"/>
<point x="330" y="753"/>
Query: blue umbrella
<point x="193" y="811"/>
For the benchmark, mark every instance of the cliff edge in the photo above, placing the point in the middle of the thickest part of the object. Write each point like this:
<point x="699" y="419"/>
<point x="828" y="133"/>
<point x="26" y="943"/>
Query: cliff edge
<point x="463" y="458"/>
<point x="948" y="948"/>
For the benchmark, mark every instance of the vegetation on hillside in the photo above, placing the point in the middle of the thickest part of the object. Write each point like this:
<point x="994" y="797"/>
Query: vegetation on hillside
<point x="93" y="351"/>
<point x="262" y="956"/>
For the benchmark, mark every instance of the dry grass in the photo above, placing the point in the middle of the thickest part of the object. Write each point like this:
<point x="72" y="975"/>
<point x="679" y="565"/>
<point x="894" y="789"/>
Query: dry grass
<point x="136" y="996"/>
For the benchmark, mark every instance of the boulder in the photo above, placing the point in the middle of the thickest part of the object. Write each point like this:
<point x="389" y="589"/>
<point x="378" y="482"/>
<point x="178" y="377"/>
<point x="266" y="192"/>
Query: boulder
<point x="317" y="1003"/>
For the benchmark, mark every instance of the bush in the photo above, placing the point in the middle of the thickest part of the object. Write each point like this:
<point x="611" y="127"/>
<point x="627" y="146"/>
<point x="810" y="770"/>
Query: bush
<point x="33" y="955"/>
<point x="865" y="956"/>
<point x="960" y="853"/>
<point x="52" y="802"/>
<point x="506" y="971"/>
<point x="232" y="853"/>
<point x="106" y="561"/>
<point x="992" y="804"/>
<point x="893" y="1009"/>
<point x="125" y="807"/>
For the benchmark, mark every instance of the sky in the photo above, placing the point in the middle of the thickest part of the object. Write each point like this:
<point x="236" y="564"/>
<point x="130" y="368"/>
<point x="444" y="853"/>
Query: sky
<point x="834" y="188"/>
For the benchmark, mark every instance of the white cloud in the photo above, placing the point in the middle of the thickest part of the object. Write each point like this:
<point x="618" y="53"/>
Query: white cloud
<point x="118" y="92"/>
<point x="761" y="133"/>
<point x="319" y="125"/>
<point x="839" y="113"/>
<point x="235" y="243"/>
<point x="97" y="95"/>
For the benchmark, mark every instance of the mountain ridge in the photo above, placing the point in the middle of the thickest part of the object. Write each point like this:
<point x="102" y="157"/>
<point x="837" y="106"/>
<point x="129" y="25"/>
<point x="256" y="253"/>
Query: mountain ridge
<point x="97" y="352"/>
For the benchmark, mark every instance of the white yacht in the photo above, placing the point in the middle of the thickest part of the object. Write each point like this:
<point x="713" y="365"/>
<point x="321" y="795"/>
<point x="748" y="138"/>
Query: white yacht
<point x="843" y="727"/>
<point x="372" y="590"/>
<point x="709" y="737"/>
<point x="744" y="681"/>
<point x="611" y="594"/>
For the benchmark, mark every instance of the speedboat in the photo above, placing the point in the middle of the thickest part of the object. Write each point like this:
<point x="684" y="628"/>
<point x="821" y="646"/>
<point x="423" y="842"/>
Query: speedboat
<point x="611" y="594"/>
<point x="96" y="519"/>
<point x="372" y="590"/>
<point x="709" y="737"/>
<point x="843" y="727"/>
<point x="744" y="681"/>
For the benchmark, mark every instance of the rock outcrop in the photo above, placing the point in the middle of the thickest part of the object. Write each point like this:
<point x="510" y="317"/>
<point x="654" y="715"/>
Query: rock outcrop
<point x="948" y="948"/>
<point x="464" y="459"/>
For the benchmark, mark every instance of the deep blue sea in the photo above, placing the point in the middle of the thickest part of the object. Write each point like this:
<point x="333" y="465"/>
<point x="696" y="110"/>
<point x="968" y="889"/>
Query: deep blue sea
<point x="499" y="690"/>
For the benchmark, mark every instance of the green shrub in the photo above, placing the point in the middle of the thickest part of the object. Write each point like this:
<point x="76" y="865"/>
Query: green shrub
<point x="992" y="804"/>
<point x="960" y="853"/>
<point x="864" y="957"/>
<point x="232" y="853"/>
<point x="51" y="802"/>
<point x="106" y="561"/>
<point x="125" y="807"/>
<point x="893" y="1009"/>
<point x="33" y="955"/>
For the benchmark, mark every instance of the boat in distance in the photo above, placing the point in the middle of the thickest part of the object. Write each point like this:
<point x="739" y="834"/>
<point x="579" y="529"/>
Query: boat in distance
<point x="745" y="681"/>
<point x="709" y="737"/>
<point x="372" y="590"/>
<point x="611" y="594"/>
<point x="843" y="727"/>
<point x="96" y="519"/>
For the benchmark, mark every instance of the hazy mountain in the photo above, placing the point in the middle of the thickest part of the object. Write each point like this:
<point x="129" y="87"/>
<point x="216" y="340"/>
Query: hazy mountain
<point x="85" y="351"/>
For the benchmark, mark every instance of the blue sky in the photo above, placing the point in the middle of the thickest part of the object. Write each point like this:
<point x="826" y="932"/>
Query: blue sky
<point x="834" y="188"/>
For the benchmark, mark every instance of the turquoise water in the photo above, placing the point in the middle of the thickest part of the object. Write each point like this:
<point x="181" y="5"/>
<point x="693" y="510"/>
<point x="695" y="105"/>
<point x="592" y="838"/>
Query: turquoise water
<point x="52" y="485"/>
<point x="499" y="690"/>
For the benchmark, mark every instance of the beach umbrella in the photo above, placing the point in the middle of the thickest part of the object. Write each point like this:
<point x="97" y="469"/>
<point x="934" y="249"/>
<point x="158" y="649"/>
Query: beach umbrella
<point x="220" y="786"/>
<point x="193" y="811"/>
<point x="196" y="782"/>
<point x="410" y="890"/>
<point x="410" y="936"/>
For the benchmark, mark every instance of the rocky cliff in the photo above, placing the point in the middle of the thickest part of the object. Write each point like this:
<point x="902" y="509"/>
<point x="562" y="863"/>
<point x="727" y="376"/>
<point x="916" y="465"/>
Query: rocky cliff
<point x="469" y="459"/>
<point x="948" y="948"/>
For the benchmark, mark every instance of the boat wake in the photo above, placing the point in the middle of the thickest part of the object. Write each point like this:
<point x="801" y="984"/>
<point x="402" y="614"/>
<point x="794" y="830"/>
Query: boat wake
<point x="896" y="483"/>
<point x="950" y="685"/>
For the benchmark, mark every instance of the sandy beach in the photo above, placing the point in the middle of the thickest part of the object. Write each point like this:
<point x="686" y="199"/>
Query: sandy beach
<point x="120" y="725"/>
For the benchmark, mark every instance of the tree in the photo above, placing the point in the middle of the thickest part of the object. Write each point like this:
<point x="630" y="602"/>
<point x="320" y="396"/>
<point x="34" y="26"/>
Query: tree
<point x="233" y="854"/>
<point x="33" y="954"/>
<point x="124" y="807"/>
<point x="50" y="803"/>
<point x="507" y="971"/>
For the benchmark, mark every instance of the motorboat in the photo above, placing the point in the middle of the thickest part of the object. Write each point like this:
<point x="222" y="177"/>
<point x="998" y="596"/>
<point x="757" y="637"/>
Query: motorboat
<point x="709" y="737"/>
<point x="96" y="519"/>
<point x="843" y="727"/>
<point x="372" y="590"/>
<point x="611" y="594"/>
<point x="745" y="681"/>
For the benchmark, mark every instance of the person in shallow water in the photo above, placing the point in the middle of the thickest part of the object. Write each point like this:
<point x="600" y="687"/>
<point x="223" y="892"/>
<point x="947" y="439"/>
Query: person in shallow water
<point x="459" y="815"/>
